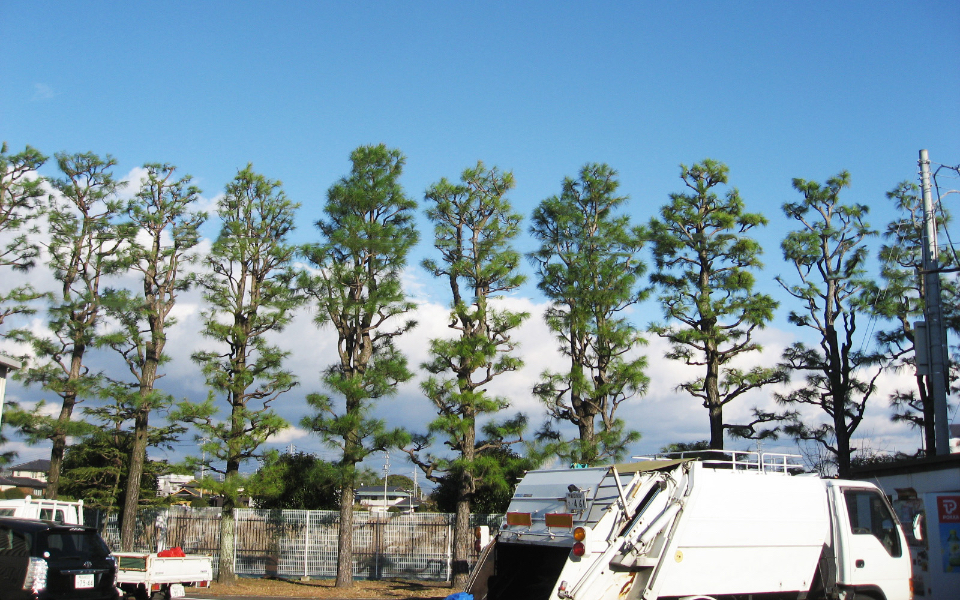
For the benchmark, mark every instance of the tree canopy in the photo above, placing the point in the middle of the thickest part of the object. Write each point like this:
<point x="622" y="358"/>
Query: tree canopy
<point x="589" y="268"/>
<point x="705" y="265"/>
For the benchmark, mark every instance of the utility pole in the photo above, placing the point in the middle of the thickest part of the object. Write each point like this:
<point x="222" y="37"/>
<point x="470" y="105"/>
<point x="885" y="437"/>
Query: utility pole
<point x="932" y="313"/>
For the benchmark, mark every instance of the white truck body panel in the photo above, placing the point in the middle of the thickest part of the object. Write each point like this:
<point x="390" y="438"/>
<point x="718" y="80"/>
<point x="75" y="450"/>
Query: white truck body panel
<point x="740" y="528"/>
<point x="135" y="568"/>
<point x="680" y="528"/>
<point x="58" y="511"/>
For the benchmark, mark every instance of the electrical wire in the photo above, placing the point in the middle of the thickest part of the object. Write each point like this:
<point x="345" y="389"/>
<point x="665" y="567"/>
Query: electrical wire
<point x="939" y="207"/>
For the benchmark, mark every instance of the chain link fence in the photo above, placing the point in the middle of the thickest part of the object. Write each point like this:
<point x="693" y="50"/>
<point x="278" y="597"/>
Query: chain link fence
<point x="303" y="543"/>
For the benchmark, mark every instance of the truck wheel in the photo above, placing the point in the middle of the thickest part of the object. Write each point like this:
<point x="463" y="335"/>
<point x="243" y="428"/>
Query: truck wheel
<point x="160" y="595"/>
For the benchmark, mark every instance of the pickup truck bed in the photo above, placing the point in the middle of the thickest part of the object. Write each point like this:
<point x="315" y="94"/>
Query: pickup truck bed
<point x="146" y="575"/>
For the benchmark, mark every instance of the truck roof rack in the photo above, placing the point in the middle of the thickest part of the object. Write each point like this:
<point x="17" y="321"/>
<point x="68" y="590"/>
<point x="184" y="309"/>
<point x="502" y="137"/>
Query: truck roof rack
<point x="738" y="460"/>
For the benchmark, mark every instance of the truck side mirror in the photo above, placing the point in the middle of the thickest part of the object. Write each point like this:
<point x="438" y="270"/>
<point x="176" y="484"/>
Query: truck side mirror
<point x="918" y="527"/>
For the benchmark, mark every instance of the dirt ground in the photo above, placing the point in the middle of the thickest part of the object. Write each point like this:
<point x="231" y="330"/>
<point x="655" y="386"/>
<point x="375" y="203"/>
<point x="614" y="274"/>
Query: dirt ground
<point x="323" y="588"/>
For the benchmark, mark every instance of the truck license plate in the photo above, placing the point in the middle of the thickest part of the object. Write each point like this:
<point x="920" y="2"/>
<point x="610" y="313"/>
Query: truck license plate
<point x="576" y="501"/>
<point x="83" y="581"/>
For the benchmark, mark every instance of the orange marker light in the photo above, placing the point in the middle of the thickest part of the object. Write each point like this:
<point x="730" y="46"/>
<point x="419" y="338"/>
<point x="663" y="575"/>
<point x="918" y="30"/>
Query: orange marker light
<point x="558" y="520"/>
<point x="519" y="518"/>
<point x="579" y="534"/>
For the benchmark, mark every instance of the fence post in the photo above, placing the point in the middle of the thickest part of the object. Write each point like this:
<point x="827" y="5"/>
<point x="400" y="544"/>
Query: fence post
<point x="449" y="565"/>
<point x="306" y="546"/>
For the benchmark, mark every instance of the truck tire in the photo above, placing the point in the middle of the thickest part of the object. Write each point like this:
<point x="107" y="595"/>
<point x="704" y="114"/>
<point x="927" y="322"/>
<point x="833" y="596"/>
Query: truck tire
<point x="161" y="594"/>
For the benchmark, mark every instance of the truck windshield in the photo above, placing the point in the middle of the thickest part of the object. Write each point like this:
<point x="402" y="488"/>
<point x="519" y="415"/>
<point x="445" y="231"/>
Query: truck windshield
<point x="869" y="515"/>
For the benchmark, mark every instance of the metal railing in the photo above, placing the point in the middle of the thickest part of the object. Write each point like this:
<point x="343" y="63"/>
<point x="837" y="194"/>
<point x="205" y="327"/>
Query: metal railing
<point x="740" y="460"/>
<point x="303" y="543"/>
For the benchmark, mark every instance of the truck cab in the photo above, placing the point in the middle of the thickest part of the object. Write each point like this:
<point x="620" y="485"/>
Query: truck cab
<point x="871" y="549"/>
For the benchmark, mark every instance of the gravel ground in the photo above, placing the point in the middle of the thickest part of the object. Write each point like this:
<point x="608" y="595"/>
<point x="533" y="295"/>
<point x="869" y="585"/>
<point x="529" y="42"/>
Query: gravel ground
<point x="323" y="588"/>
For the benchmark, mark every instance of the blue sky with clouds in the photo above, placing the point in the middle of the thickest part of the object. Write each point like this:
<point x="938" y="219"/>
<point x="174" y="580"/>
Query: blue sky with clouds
<point x="776" y="90"/>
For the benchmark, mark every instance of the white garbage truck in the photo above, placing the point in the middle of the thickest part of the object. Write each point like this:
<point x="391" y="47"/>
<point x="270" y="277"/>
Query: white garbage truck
<point x="727" y="526"/>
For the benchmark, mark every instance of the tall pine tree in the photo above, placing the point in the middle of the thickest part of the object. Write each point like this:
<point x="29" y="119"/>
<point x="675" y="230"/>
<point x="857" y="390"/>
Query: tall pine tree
<point x="589" y="267"/>
<point x="82" y="247"/>
<point x="366" y="233"/>
<point x="828" y="252"/>
<point x="249" y="296"/>
<point x="900" y="297"/>
<point x="704" y="270"/>
<point x="162" y="236"/>
<point x="474" y="227"/>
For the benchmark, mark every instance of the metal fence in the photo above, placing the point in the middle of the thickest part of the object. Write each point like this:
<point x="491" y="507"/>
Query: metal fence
<point x="303" y="543"/>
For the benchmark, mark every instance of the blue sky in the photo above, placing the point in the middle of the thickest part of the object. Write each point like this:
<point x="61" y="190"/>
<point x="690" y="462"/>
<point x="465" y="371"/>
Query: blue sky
<point x="776" y="90"/>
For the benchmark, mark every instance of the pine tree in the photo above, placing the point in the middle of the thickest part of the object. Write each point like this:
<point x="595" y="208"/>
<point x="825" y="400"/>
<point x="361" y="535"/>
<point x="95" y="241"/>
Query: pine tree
<point x="828" y="252"/>
<point x="901" y="299"/>
<point x="366" y="233"/>
<point x="82" y="246"/>
<point x="474" y="227"/>
<point x="705" y="264"/>
<point x="249" y="296"/>
<point x="589" y="268"/>
<point x="162" y="235"/>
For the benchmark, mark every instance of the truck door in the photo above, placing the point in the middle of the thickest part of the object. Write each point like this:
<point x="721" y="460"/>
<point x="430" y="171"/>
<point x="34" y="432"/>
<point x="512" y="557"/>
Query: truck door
<point x="873" y="551"/>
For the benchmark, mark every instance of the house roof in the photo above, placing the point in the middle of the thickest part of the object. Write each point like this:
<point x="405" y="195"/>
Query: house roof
<point x="41" y="465"/>
<point x="373" y="490"/>
<point x="187" y="491"/>
<point x="908" y="466"/>
<point x="29" y="482"/>
<point x="7" y="362"/>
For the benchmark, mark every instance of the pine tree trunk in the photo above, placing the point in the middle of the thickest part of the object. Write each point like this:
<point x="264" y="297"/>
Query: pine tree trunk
<point x="59" y="447"/>
<point x="711" y="384"/>
<point x="462" y="544"/>
<point x="228" y="530"/>
<point x="141" y="434"/>
<point x="345" y="539"/>
<point x="716" y="427"/>
<point x="134" y="476"/>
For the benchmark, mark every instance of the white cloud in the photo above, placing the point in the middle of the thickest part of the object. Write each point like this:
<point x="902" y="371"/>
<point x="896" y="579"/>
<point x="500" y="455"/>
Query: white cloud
<point x="42" y="91"/>
<point x="288" y="435"/>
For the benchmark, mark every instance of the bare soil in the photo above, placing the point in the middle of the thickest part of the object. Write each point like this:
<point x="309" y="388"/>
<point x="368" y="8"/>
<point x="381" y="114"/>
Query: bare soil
<point x="324" y="589"/>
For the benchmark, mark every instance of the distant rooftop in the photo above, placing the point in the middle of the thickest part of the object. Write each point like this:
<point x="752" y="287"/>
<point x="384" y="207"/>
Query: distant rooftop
<point x="41" y="465"/>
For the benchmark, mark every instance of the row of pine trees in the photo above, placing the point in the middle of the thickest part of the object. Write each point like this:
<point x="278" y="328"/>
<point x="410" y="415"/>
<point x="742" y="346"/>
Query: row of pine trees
<point x="588" y="263"/>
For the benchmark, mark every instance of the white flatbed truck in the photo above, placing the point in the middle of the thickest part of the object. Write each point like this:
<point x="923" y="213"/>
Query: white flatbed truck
<point x="740" y="527"/>
<point x="146" y="575"/>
